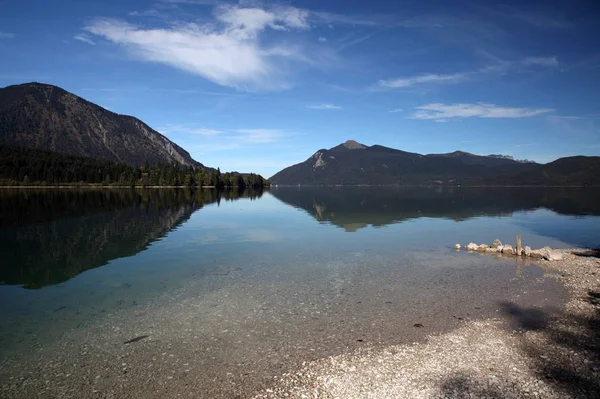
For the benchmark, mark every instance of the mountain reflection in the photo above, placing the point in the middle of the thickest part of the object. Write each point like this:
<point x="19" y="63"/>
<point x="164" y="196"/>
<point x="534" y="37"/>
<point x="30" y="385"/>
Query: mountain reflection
<point x="50" y="236"/>
<point x="352" y="208"/>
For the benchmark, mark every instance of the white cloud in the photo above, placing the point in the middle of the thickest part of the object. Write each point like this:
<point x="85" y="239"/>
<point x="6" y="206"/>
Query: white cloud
<point x="170" y="129"/>
<point x="500" y="68"/>
<point x="395" y="110"/>
<point x="443" y="112"/>
<point x="6" y="35"/>
<point x="322" y="39"/>
<point x="245" y="23"/>
<point x="541" y="61"/>
<point x="325" y="106"/>
<point x="427" y="78"/>
<point x="84" y="39"/>
<point x="227" y="52"/>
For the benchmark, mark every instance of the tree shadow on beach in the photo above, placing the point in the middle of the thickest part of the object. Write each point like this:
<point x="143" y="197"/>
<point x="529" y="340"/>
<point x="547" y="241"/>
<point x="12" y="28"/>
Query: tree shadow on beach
<point x="565" y="353"/>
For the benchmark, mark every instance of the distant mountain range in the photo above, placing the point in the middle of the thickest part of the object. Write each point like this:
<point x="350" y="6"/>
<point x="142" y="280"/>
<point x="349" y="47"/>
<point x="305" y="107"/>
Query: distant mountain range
<point x="46" y="117"/>
<point x="352" y="163"/>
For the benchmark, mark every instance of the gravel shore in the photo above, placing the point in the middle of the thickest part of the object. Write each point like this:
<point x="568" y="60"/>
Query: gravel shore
<point x="224" y="340"/>
<point x="526" y="353"/>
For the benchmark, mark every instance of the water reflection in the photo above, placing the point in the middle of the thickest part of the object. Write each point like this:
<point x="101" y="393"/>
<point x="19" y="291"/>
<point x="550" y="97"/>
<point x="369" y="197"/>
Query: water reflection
<point x="352" y="208"/>
<point x="50" y="236"/>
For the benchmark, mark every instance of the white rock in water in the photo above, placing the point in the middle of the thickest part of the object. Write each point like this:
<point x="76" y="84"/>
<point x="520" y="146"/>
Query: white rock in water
<point x="491" y="250"/>
<point x="508" y="249"/>
<point x="472" y="246"/>
<point x="527" y="250"/>
<point x="497" y="243"/>
<point x="483" y="247"/>
<point x="457" y="246"/>
<point x="499" y="248"/>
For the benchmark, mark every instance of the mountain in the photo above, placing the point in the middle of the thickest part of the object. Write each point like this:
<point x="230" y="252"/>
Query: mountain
<point x="352" y="163"/>
<point x="46" y="117"/>
<point x="569" y="171"/>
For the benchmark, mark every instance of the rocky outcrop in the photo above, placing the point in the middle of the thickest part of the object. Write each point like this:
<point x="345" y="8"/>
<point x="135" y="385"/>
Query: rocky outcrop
<point x="546" y="253"/>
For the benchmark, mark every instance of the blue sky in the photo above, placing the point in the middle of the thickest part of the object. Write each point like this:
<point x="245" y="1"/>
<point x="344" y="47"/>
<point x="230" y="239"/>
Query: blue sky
<point x="257" y="86"/>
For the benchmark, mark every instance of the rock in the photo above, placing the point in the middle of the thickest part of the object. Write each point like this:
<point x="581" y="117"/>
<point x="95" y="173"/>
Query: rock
<point x="499" y="248"/>
<point x="550" y="254"/>
<point x="508" y="249"/>
<point x="491" y="250"/>
<point x="536" y="253"/>
<point x="527" y="250"/>
<point x="482" y="247"/>
<point x="496" y="243"/>
<point x="472" y="247"/>
<point x="457" y="246"/>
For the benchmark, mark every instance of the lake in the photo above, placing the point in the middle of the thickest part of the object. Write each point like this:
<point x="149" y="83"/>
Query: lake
<point x="153" y="292"/>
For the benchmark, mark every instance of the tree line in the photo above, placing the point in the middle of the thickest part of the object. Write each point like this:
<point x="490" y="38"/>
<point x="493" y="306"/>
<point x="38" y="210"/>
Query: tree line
<point x="26" y="166"/>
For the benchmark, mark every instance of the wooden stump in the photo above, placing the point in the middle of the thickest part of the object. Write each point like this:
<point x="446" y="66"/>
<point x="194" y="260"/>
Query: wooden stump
<point x="519" y="247"/>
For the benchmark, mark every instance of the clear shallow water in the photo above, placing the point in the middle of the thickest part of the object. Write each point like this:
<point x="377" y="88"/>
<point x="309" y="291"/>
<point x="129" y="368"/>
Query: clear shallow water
<point x="287" y="275"/>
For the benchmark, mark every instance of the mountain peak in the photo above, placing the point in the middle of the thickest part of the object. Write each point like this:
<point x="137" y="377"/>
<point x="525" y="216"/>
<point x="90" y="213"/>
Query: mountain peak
<point x="353" y="145"/>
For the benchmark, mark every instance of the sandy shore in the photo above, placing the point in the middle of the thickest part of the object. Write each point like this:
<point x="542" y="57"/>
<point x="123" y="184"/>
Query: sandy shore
<point x="529" y="354"/>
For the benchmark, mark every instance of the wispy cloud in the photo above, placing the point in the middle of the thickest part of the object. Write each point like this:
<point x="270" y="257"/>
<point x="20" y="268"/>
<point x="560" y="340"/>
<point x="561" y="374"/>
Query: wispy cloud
<point x="227" y="51"/>
<point x="540" y="18"/>
<point x="325" y="106"/>
<point x="259" y="136"/>
<point x="396" y="110"/>
<point x="85" y="39"/>
<point x="6" y="35"/>
<point x="174" y="129"/>
<point x="499" y="68"/>
<point x="427" y="78"/>
<point x="194" y="2"/>
<point x="322" y="39"/>
<point x="542" y="61"/>
<point x="444" y="112"/>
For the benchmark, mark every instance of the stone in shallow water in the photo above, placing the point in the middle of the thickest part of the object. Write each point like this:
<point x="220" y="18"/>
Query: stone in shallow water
<point x="497" y="243"/>
<point x="472" y="246"/>
<point x="457" y="246"/>
<point x="508" y="249"/>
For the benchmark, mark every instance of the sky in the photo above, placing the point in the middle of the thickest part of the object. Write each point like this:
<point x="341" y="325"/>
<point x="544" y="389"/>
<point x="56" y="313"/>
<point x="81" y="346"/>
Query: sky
<point x="256" y="86"/>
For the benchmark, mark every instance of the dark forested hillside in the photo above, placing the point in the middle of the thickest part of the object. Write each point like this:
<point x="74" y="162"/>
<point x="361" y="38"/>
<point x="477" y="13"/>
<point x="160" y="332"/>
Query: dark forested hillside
<point x="46" y="117"/>
<point x="25" y="166"/>
<point x="569" y="171"/>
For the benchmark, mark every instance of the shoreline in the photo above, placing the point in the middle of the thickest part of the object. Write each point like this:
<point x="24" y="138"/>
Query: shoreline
<point x="534" y="354"/>
<point x="176" y="357"/>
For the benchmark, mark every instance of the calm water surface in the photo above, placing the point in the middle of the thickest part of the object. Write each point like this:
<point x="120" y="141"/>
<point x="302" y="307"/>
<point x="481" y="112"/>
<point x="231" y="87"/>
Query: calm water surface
<point x="271" y="278"/>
